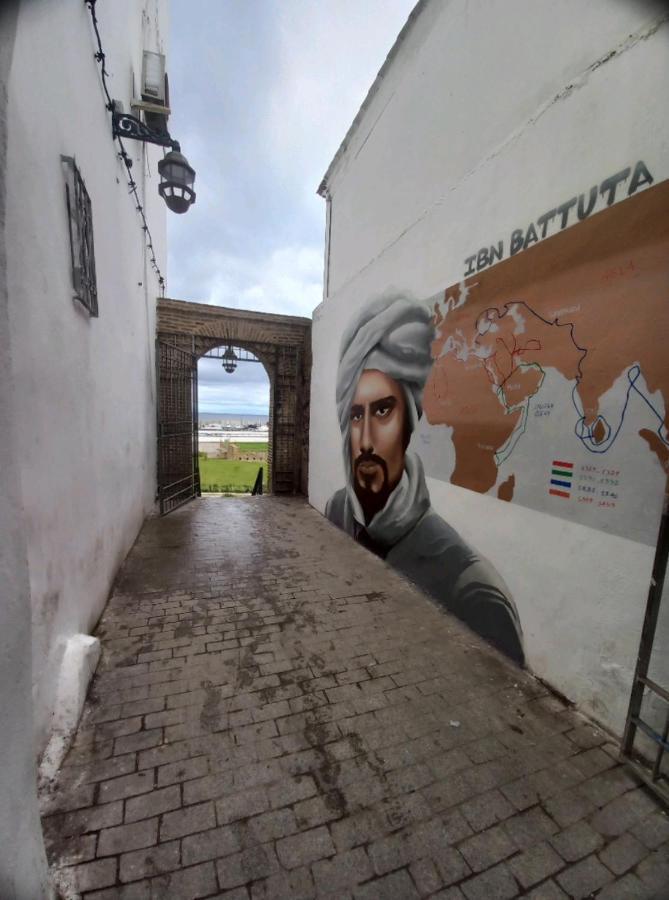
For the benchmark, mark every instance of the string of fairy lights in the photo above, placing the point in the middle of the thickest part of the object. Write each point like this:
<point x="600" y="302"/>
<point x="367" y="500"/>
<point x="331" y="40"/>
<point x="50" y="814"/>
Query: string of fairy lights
<point x="123" y="155"/>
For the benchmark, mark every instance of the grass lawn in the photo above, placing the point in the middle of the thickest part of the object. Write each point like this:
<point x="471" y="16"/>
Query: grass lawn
<point x="229" y="475"/>
<point x="253" y="446"/>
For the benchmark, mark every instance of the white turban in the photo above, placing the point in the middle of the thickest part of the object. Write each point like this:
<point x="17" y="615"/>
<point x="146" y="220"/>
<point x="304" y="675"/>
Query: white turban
<point x="393" y="335"/>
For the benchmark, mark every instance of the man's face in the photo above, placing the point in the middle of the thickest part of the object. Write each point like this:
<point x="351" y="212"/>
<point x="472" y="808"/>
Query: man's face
<point x="378" y="439"/>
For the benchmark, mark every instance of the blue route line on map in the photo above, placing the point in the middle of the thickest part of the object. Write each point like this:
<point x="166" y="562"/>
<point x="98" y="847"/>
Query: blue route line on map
<point x="584" y="432"/>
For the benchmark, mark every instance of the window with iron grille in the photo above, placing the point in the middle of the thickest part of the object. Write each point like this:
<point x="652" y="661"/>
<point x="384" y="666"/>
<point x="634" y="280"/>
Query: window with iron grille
<point x="82" y="252"/>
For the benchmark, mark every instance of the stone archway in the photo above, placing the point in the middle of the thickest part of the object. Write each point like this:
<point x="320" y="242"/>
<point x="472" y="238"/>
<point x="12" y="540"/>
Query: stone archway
<point x="283" y="345"/>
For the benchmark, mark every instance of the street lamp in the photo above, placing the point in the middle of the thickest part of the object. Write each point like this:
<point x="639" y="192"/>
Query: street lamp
<point x="177" y="176"/>
<point x="229" y="360"/>
<point x="176" y="181"/>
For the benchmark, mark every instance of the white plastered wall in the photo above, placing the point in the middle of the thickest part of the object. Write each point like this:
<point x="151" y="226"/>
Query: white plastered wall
<point x="23" y="865"/>
<point x="488" y="115"/>
<point x="84" y="401"/>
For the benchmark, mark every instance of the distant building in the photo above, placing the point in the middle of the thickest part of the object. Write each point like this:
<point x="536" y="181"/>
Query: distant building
<point x="496" y="251"/>
<point x="77" y="378"/>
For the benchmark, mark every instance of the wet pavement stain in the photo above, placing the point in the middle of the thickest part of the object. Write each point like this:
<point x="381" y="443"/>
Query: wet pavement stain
<point x="272" y="716"/>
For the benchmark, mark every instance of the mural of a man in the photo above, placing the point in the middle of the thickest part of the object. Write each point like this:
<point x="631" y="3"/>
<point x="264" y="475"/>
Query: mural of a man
<point x="384" y="363"/>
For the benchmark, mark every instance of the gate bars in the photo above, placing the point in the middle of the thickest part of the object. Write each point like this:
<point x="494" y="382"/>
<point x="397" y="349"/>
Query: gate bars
<point x="178" y="469"/>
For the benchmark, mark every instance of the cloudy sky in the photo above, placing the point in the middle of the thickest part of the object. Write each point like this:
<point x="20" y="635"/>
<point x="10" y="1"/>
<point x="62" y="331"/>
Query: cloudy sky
<point x="263" y="92"/>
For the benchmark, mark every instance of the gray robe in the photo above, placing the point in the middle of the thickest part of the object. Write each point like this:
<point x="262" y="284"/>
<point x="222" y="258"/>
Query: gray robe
<point x="433" y="556"/>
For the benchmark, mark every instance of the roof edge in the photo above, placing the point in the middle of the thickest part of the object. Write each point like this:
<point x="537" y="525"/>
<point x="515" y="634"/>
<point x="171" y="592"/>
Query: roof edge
<point x="371" y="93"/>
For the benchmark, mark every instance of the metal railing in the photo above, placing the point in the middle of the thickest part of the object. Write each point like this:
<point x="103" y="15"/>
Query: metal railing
<point x="651" y="774"/>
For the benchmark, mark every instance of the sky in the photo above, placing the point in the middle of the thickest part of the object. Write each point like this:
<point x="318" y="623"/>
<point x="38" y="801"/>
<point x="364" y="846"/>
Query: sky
<point x="262" y="94"/>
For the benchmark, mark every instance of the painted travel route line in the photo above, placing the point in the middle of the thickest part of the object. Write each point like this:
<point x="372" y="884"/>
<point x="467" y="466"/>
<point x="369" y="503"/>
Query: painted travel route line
<point x="533" y="344"/>
<point x="505" y="452"/>
<point x="585" y="432"/>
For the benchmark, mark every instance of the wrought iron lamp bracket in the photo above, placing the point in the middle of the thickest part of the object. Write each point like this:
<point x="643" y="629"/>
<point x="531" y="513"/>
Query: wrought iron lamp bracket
<point x="126" y="126"/>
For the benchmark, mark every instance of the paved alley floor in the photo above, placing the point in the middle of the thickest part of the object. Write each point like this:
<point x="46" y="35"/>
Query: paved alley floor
<point x="277" y="714"/>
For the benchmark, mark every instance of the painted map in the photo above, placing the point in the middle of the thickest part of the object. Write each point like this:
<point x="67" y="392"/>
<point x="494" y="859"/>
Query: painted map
<point x="551" y="373"/>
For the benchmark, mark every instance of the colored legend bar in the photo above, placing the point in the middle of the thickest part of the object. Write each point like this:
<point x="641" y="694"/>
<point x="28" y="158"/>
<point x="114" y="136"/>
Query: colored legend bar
<point x="562" y="474"/>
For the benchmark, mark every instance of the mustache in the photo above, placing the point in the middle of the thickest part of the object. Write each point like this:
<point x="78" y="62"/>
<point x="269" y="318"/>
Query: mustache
<point x="367" y="456"/>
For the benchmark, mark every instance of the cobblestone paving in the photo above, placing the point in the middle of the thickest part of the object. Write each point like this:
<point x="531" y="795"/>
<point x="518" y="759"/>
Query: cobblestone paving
<point x="279" y="715"/>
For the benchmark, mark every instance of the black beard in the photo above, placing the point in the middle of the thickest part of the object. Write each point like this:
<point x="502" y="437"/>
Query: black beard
<point x="371" y="501"/>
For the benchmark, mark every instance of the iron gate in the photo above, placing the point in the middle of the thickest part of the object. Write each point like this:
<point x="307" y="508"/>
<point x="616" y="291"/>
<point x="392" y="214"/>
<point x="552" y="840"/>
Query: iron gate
<point x="178" y="471"/>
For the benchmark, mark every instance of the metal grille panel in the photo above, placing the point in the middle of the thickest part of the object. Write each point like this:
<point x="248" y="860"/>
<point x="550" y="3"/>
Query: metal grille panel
<point x="648" y="713"/>
<point x="82" y="252"/>
<point x="178" y="472"/>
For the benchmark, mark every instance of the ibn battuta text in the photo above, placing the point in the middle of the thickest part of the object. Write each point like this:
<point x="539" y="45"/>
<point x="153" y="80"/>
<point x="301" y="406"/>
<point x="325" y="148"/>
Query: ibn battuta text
<point x="623" y="184"/>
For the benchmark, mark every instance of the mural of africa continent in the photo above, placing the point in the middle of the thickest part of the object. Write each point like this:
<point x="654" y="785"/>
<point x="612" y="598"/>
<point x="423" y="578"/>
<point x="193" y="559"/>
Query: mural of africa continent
<point x="460" y="394"/>
<point x="486" y="370"/>
<point x="558" y="352"/>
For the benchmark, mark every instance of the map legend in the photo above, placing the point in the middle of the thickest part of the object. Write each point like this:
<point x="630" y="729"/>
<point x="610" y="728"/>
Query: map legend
<point x="561" y="479"/>
<point x="598" y="485"/>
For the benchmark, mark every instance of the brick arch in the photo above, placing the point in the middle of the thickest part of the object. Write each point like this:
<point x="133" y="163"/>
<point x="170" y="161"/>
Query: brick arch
<point x="283" y="345"/>
<point x="263" y="352"/>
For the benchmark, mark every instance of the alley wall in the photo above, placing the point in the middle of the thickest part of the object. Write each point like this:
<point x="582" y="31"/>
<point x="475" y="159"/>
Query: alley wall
<point x="484" y="118"/>
<point x="83" y="407"/>
<point x="23" y="865"/>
